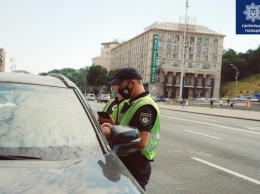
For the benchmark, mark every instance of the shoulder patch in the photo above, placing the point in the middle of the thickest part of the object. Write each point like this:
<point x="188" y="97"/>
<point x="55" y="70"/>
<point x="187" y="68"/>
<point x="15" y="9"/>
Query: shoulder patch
<point x="145" y="118"/>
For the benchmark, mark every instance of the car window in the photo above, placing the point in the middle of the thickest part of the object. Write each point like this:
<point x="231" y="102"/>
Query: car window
<point x="45" y="122"/>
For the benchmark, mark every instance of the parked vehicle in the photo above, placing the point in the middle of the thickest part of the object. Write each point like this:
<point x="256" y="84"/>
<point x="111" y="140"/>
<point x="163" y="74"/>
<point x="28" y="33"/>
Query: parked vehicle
<point x="103" y="98"/>
<point x="91" y="97"/>
<point x="162" y="99"/>
<point x="51" y="142"/>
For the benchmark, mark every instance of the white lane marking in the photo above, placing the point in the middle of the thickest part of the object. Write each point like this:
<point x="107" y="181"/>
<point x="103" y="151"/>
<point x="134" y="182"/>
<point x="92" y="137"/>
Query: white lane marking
<point x="215" y="125"/>
<point x="200" y="118"/>
<point x="228" y="171"/>
<point x="202" y="134"/>
<point x="253" y="128"/>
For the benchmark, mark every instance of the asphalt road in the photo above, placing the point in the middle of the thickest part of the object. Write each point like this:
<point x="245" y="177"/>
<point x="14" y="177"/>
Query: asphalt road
<point x="205" y="154"/>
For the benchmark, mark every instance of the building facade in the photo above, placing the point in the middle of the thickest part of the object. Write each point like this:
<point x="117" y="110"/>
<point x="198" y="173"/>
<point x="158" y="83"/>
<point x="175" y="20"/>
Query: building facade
<point x="2" y="60"/>
<point x="104" y="59"/>
<point x="158" y="54"/>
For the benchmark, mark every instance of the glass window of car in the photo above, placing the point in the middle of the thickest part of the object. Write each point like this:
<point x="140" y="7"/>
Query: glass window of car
<point x="45" y="122"/>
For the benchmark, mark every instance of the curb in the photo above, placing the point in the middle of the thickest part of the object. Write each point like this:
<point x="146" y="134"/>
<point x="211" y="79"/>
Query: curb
<point x="211" y="114"/>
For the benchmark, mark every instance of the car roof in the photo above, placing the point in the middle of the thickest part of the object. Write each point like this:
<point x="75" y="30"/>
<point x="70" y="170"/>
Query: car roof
<point x="49" y="80"/>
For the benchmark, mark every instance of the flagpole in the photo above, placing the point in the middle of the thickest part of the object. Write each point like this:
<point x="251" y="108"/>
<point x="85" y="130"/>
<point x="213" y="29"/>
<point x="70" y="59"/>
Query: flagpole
<point x="183" y="51"/>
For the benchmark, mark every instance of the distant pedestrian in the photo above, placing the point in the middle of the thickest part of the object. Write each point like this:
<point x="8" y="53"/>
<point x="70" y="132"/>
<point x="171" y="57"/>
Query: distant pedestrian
<point x="220" y="103"/>
<point x="247" y="103"/>
<point x="211" y="103"/>
<point x="187" y="103"/>
<point x="228" y="101"/>
<point x="232" y="105"/>
<point x="183" y="103"/>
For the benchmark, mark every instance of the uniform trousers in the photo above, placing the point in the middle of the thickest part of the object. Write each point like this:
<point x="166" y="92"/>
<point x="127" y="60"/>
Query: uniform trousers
<point x="139" y="166"/>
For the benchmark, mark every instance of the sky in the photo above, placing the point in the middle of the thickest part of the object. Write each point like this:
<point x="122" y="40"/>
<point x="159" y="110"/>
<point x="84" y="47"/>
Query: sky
<point x="42" y="35"/>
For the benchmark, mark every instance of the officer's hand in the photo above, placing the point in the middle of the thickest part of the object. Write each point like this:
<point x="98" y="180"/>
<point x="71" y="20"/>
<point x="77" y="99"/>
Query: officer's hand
<point x="102" y="120"/>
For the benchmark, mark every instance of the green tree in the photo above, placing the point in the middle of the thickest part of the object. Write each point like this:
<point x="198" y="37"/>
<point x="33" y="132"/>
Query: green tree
<point x="96" y="76"/>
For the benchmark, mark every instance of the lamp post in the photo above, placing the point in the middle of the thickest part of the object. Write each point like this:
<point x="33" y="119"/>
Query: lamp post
<point x="237" y="74"/>
<point x="183" y="51"/>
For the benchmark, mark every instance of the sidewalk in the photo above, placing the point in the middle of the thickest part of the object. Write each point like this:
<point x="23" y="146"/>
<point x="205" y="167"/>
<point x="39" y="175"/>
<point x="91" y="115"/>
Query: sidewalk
<point x="224" y="112"/>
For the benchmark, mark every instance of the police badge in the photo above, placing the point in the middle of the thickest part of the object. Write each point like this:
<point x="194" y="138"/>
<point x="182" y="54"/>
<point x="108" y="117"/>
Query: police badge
<point x="145" y="118"/>
<point x="252" y="12"/>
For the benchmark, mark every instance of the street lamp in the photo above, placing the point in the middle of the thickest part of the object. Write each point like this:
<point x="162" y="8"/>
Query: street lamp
<point x="237" y="74"/>
<point x="183" y="51"/>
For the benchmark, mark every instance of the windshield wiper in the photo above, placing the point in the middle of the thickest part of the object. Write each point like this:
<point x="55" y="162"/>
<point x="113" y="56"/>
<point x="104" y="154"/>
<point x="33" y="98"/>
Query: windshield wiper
<point x="11" y="157"/>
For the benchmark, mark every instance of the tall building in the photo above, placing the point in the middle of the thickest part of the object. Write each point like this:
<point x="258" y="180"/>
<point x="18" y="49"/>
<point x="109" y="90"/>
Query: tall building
<point x="104" y="59"/>
<point x="157" y="54"/>
<point x="2" y="60"/>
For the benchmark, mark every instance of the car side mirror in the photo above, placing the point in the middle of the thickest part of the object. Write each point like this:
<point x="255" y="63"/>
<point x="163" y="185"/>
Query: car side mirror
<point x="124" y="138"/>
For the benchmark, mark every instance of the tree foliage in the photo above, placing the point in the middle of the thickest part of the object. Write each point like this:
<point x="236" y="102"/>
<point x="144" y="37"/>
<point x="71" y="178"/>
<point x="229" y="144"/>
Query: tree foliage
<point x="76" y="76"/>
<point x="247" y="64"/>
<point x="96" y="75"/>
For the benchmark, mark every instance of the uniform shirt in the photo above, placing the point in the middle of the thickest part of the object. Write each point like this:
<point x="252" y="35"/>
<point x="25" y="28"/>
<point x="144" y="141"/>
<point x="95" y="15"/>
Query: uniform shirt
<point x="113" y="105"/>
<point x="144" y="118"/>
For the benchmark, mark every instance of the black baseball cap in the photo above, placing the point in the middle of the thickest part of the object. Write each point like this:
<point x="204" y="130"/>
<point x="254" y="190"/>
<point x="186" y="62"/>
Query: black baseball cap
<point x="123" y="74"/>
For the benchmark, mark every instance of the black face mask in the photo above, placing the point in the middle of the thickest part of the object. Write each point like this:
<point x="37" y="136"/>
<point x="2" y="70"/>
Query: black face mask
<point x="125" y="92"/>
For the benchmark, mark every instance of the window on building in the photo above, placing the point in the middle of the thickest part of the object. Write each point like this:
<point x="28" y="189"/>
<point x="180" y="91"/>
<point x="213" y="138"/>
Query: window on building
<point x="160" y="36"/>
<point x="215" y="41"/>
<point x="169" y="46"/>
<point x="198" y="49"/>
<point x="168" y="54"/>
<point x="175" y="55"/>
<point x="214" y="58"/>
<point x="158" y="62"/>
<point x="191" y="48"/>
<point x="192" y="40"/>
<point x="169" y="37"/>
<point x="190" y="65"/>
<point x="176" y="38"/>
<point x="206" y="49"/>
<point x="190" y="56"/>
<point x="198" y="57"/>
<point x="199" y="40"/>
<point x="215" y="50"/>
<point x="206" y="41"/>
<point x="205" y="57"/>
<point x="205" y="66"/>
<point x="159" y="45"/>
<point x="176" y="47"/>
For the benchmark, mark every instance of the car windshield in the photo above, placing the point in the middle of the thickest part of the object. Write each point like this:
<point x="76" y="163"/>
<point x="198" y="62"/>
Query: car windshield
<point x="45" y="122"/>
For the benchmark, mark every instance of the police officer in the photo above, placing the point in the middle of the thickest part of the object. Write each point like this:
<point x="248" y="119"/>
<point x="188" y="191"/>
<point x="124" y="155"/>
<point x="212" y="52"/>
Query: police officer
<point x="143" y="113"/>
<point x="112" y="107"/>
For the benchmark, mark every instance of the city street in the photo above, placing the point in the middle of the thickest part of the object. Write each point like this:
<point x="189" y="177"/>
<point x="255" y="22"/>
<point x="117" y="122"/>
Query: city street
<point x="205" y="154"/>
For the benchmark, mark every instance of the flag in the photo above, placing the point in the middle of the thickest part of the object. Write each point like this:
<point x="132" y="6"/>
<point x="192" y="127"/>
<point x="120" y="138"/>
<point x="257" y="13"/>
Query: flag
<point x="187" y="4"/>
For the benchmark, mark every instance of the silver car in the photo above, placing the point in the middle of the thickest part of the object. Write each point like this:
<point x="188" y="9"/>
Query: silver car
<point x="103" y="98"/>
<point x="90" y="97"/>
<point x="51" y="142"/>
